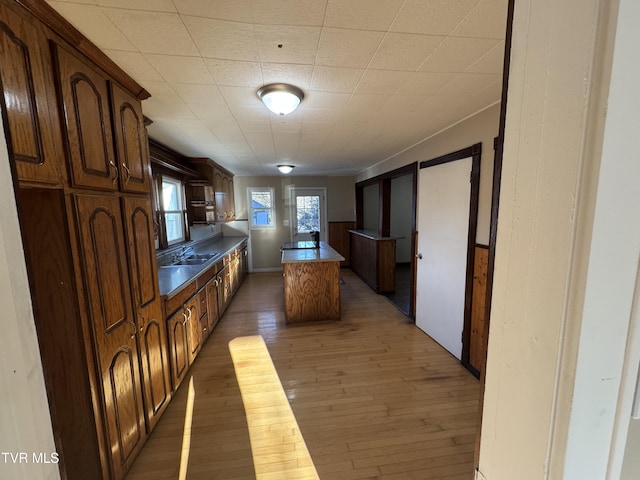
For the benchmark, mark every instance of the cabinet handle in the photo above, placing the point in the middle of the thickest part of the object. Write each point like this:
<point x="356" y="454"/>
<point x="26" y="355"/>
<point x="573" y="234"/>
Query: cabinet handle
<point x="127" y="173"/>
<point x="190" y="314"/>
<point x="113" y="166"/>
<point x="135" y="329"/>
<point x="141" y="322"/>
<point x="184" y="314"/>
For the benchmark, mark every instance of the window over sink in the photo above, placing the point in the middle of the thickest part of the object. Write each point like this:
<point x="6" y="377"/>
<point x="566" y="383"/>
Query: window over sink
<point x="172" y="207"/>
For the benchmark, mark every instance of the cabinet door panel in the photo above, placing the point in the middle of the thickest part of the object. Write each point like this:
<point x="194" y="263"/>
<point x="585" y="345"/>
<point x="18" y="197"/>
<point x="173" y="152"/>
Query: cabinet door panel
<point x="86" y="107"/>
<point x="212" y="304"/>
<point x="101" y="228"/>
<point x="112" y="323"/>
<point x="155" y="368"/>
<point x="148" y="307"/>
<point x="193" y="324"/>
<point x="131" y="141"/>
<point x="124" y="403"/>
<point x="178" y="347"/>
<point x="224" y="293"/>
<point x="26" y="81"/>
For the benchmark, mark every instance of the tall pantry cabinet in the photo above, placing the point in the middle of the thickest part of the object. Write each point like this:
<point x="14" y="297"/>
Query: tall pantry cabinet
<point x="79" y="156"/>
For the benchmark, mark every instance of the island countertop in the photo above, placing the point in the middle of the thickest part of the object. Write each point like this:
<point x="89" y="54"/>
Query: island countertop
<point x="373" y="235"/>
<point x="323" y="254"/>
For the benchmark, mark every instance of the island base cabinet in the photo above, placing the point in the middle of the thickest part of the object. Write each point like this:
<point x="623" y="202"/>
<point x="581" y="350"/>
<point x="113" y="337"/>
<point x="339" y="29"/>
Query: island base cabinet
<point x="311" y="291"/>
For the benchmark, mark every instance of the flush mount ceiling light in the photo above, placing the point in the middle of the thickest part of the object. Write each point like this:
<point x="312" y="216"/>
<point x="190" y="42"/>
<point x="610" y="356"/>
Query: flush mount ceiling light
<point x="285" y="168"/>
<point x="281" y="98"/>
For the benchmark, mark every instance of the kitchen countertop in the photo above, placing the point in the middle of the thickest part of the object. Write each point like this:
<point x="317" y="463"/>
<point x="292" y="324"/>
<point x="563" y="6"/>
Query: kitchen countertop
<point x="172" y="279"/>
<point x="323" y="254"/>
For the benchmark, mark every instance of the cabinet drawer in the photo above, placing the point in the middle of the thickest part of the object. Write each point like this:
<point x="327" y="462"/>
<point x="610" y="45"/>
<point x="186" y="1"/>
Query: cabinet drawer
<point x="176" y="302"/>
<point x="204" y="278"/>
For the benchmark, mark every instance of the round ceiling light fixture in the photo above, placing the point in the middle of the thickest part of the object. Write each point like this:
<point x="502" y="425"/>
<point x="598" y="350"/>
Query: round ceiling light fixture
<point x="285" y="168"/>
<point x="281" y="98"/>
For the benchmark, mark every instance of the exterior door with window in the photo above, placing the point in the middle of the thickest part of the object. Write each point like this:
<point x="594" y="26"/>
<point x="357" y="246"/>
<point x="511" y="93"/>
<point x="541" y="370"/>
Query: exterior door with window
<point x="308" y="213"/>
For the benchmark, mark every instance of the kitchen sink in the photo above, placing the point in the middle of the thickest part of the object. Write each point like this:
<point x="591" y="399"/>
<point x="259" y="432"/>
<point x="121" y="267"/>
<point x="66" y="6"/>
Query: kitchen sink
<point x="192" y="261"/>
<point x="195" y="259"/>
<point x="202" y="256"/>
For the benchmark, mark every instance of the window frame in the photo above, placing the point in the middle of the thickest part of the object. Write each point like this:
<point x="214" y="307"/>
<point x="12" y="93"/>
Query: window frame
<point x="181" y="211"/>
<point x="272" y="210"/>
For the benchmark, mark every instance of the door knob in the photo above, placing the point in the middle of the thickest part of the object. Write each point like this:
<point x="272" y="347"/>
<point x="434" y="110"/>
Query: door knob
<point x="419" y="256"/>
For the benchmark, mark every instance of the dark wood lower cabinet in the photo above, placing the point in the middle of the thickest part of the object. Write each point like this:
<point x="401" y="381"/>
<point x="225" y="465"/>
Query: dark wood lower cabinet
<point x="85" y="218"/>
<point x="100" y="325"/>
<point x="178" y="346"/>
<point x="340" y="241"/>
<point x="69" y="371"/>
<point x="113" y="327"/>
<point x="152" y="332"/>
<point x="373" y="259"/>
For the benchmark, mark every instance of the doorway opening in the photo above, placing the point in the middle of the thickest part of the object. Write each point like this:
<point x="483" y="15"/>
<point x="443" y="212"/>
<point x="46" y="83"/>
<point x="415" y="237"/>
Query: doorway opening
<point x="386" y="206"/>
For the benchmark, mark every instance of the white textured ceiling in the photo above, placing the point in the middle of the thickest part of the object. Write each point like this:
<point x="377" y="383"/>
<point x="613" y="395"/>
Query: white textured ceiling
<point x="378" y="75"/>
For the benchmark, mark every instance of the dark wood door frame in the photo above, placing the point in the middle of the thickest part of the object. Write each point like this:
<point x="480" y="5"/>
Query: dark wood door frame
<point x="475" y="152"/>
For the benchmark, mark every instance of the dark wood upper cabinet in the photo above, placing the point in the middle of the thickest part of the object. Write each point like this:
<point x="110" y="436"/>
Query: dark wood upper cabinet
<point x="225" y="202"/>
<point x="29" y="101"/>
<point x="85" y="97"/>
<point x="131" y="142"/>
<point x="114" y="329"/>
<point x="73" y="121"/>
<point x="96" y="112"/>
<point x="152" y="334"/>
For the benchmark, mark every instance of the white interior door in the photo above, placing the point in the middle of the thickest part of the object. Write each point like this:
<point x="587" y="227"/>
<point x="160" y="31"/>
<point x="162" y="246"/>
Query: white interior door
<point x="308" y="213"/>
<point x="444" y="193"/>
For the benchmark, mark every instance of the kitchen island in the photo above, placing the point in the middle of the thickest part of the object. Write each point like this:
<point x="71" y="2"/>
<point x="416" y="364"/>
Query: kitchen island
<point x="311" y="283"/>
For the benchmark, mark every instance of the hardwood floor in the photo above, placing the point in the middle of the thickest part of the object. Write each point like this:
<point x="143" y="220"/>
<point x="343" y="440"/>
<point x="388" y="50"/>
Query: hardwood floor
<point x="374" y="397"/>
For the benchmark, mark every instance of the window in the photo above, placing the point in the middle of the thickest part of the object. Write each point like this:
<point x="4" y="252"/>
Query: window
<point x="261" y="207"/>
<point x="308" y="213"/>
<point x="173" y="210"/>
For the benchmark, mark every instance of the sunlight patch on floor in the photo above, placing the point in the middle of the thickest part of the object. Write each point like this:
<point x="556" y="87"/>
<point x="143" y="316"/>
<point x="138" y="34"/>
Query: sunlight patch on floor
<point x="279" y="451"/>
<point x="186" y="433"/>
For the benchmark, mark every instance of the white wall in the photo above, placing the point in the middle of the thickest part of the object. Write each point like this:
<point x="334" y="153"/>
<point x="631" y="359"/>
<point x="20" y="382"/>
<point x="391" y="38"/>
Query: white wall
<point x="567" y="248"/>
<point x="401" y="221"/>
<point x="479" y="128"/>
<point x="265" y="244"/>
<point x="25" y="424"/>
<point x="371" y="207"/>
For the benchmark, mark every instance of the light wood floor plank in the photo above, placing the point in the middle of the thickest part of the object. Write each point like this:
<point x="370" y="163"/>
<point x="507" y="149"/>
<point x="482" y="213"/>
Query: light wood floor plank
<point x="374" y="397"/>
